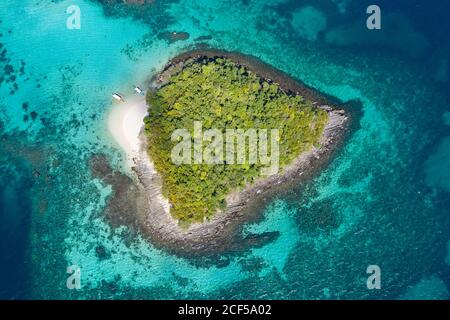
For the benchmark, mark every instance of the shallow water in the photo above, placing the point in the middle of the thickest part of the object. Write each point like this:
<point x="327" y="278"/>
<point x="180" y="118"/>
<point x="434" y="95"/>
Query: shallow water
<point x="383" y="200"/>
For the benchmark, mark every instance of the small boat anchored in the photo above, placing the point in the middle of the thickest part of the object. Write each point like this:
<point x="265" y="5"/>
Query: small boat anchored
<point x="118" y="97"/>
<point x="138" y="90"/>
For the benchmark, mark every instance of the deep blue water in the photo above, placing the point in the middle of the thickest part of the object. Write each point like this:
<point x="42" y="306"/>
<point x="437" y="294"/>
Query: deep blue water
<point x="384" y="199"/>
<point x="15" y="213"/>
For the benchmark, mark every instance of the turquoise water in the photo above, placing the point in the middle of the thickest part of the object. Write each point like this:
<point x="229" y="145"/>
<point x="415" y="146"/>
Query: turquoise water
<point x="383" y="199"/>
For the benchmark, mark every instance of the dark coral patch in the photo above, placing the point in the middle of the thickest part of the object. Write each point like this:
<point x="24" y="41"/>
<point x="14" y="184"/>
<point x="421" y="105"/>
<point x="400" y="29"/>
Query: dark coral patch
<point x="174" y="36"/>
<point x="203" y="38"/>
<point x="33" y="115"/>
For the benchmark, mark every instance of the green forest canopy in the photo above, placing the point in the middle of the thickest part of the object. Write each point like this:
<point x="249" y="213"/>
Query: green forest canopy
<point x="222" y="95"/>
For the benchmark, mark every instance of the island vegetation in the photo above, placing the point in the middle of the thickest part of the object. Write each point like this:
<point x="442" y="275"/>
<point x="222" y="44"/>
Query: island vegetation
<point x="222" y="95"/>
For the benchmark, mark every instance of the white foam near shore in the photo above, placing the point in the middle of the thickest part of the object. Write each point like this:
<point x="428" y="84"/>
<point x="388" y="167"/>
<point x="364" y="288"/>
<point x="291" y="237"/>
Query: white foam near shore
<point x="125" y="122"/>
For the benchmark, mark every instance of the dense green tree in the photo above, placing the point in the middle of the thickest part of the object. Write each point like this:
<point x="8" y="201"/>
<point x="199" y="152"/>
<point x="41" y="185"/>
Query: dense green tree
<point x="222" y="95"/>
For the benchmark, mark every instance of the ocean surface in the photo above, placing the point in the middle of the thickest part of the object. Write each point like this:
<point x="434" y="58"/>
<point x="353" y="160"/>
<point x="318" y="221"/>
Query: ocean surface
<point x="383" y="200"/>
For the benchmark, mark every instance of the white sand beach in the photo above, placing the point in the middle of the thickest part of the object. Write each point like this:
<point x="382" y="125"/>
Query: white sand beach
<point x="125" y="122"/>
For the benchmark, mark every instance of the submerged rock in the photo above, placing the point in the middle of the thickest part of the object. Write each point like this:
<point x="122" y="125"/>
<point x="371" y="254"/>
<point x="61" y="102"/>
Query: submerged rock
<point x="174" y="36"/>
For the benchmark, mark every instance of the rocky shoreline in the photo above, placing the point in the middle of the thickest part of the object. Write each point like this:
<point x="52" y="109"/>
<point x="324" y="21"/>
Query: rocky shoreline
<point x="222" y="233"/>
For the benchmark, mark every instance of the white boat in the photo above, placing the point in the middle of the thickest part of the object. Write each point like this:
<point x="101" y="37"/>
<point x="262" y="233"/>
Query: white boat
<point x="138" y="90"/>
<point x="118" y="97"/>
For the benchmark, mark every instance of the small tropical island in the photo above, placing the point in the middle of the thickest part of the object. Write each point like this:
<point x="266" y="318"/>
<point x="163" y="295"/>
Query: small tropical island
<point x="199" y="204"/>
<point x="222" y="95"/>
